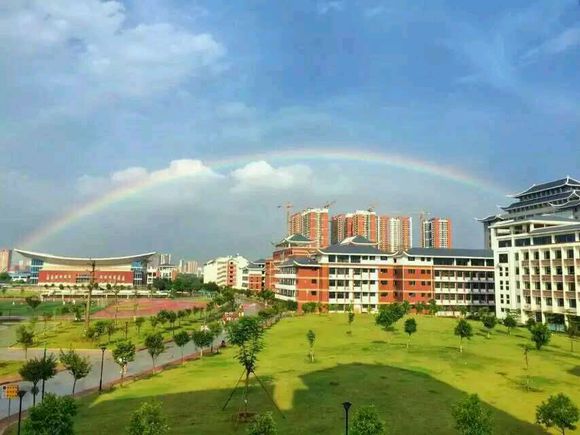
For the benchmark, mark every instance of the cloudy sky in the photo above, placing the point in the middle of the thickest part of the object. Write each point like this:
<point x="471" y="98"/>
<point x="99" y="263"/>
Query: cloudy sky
<point x="179" y="126"/>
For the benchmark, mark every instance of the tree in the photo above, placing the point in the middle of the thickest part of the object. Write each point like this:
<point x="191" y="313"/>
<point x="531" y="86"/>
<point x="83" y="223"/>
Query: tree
<point x="420" y="307"/>
<point x="48" y="369"/>
<point x="510" y="322"/>
<point x="388" y="315"/>
<point x="155" y="346"/>
<point x="32" y="302"/>
<point x="246" y="333"/>
<point x="33" y="371"/>
<point x="309" y="307"/>
<point x="558" y="411"/>
<point x="311" y="337"/>
<point x="148" y="419"/>
<point x="215" y="328"/>
<point x="154" y="320"/>
<point x="52" y="417"/>
<point x="573" y="330"/>
<point x="161" y="284"/>
<point x="350" y="318"/>
<point x="410" y="328"/>
<point x="201" y="339"/>
<point x="5" y="277"/>
<point x="25" y="338"/>
<point x="110" y="329"/>
<point x="489" y="321"/>
<point x="78" y="366"/>
<point x="181" y="339"/>
<point x="540" y="335"/>
<point x="77" y="310"/>
<point x="463" y="330"/>
<point x="432" y="307"/>
<point x="530" y="323"/>
<point x="123" y="354"/>
<point x="139" y="324"/>
<point x="366" y="421"/>
<point x="211" y="287"/>
<point x="263" y="424"/>
<point x="172" y="317"/>
<point x="46" y="317"/>
<point x="471" y="418"/>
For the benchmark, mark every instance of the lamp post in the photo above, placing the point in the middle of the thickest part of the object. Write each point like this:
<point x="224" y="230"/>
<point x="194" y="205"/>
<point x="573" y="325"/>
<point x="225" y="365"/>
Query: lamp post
<point x="103" y="348"/>
<point x="346" y="406"/>
<point x="21" y="394"/>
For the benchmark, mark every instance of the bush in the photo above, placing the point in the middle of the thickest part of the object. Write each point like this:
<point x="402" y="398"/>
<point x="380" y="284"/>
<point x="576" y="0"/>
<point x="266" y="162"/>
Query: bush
<point x="309" y="307"/>
<point x="366" y="421"/>
<point x="263" y="424"/>
<point x="148" y="419"/>
<point x="52" y="417"/>
<point x="471" y="418"/>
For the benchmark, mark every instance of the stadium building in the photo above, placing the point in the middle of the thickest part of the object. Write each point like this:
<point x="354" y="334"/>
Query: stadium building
<point x="57" y="270"/>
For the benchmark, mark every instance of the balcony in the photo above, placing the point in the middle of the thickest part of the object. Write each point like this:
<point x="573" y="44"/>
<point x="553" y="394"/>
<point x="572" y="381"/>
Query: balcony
<point x="546" y="278"/>
<point x="557" y="278"/>
<point x="569" y="262"/>
<point x="570" y="295"/>
<point x="569" y="278"/>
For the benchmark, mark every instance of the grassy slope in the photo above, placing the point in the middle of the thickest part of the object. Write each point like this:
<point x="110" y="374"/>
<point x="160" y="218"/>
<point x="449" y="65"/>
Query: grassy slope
<point x="413" y="389"/>
<point x="67" y="334"/>
<point x="9" y="368"/>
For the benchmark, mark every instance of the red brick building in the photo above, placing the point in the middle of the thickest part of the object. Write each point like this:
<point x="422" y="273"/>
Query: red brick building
<point x="254" y="276"/>
<point x="354" y="272"/>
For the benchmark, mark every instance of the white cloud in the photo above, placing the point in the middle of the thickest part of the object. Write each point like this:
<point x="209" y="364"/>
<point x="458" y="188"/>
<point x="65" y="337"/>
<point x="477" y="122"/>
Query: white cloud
<point x="261" y="175"/>
<point x="186" y="169"/>
<point x="565" y="40"/>
<point x="87" y="43"/>
<point x="324" y="7"/>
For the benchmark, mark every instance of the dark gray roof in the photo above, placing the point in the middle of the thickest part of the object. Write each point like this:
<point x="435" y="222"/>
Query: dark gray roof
<point x="491" y="218"/>
<point x="549" y="185"/>
<point x="360" y="240"/>
<point x="452" y="252"/>
<point x="300" y="261"/>
<point x="352" y="249"/>
<point x="533" y="201"/>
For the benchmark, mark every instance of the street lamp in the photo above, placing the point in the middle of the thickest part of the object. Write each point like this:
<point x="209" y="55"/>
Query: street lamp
<point x="21" y="394"/>
<point x="346" y="406"/>
<point x="103" y="348"/>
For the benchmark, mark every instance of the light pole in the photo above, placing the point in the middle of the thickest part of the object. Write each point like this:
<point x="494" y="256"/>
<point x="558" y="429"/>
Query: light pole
<point x="103" y="348"/>
<point x="21" y="394"/>
<point x="346" y="406"/>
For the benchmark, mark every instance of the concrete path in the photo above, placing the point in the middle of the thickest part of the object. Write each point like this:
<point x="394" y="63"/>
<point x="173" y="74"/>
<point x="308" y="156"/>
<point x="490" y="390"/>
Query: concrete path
<point x="61" y="384"/>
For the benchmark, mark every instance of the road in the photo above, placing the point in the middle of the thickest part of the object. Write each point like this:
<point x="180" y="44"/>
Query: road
<point x="61" y="384"/>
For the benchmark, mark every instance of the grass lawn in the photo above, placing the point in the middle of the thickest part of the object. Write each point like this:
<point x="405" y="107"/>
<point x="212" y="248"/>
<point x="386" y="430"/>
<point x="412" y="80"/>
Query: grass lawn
<point x="68" y="334"/>
<point x="9" y="368"/>
<point x="413" y="389"/>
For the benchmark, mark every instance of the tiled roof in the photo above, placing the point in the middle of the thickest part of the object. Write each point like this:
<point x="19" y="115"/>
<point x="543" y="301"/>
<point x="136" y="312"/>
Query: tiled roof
<point x="549" y="185"/>
<point x="352" y="249"/>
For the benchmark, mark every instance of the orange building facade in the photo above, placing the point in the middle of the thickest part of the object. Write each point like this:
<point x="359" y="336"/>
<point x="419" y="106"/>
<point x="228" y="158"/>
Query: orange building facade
<point x="356" y="273"/>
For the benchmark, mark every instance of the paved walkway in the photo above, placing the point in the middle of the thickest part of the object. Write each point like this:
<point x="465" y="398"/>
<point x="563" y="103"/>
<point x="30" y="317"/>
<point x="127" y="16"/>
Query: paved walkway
<point x="61" y="384"/>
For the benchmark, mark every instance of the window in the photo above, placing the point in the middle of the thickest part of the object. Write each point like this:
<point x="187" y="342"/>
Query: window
<point x="313" y="293"/>
<point x="503" y="258"/>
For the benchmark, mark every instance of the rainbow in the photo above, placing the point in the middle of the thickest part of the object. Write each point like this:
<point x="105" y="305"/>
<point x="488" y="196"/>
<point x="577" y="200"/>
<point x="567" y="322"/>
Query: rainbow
<point x="354" y="155"/>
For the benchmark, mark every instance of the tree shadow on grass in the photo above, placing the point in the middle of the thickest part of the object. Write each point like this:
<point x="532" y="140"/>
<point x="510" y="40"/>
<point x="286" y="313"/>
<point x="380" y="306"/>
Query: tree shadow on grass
<point x="410" y="402"/>
<point x="575" y="371"/>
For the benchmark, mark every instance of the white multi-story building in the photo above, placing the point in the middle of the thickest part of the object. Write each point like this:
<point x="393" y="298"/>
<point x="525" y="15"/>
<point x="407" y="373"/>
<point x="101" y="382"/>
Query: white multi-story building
<point x="188" y="266"/>
<point x="225" y="271"/>
<point x="537" y="267"/>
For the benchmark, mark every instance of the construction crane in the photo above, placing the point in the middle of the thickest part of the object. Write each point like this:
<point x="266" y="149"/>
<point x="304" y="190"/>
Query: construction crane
<point x="372" y="207"/>
<point x="329" y="204"/>
<point x="288" y="206"/>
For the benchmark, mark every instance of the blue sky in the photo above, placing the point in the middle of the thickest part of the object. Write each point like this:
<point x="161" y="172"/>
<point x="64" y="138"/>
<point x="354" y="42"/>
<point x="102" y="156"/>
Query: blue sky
<point x="91" y="89"/>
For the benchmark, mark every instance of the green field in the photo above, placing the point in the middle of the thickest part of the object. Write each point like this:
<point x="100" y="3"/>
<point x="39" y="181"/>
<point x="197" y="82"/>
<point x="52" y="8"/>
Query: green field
<point x="413" y="389"/>
<point x="9" y="368"/>
<point x="19" y="307"/>
<point x="70" y="335"/>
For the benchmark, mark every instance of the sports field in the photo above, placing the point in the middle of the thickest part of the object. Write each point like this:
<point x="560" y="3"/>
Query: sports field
<point x="146" y="307"/>
<point x="413" y="389"/>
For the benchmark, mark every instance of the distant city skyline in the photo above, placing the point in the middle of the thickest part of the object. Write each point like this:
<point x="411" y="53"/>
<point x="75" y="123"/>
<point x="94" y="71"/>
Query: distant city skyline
<point x="442" y="106"/>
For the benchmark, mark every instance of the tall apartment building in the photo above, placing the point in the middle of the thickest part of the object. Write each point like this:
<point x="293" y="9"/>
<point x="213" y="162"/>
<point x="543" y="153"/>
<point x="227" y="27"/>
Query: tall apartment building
<point x="313" y="224"/>
<point x="559" y="197"/>
<point x="5" y="260"/>
<point x="225" y="271"/>
<point x="188" y="266"/>
<point x="354" y="272"/>
<point x="538" y="267"/>
<point x="395" y="233"/>
<point x="254" y="276"/>
<point x="360" y="223"/>
<point x="436" y="233"/>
